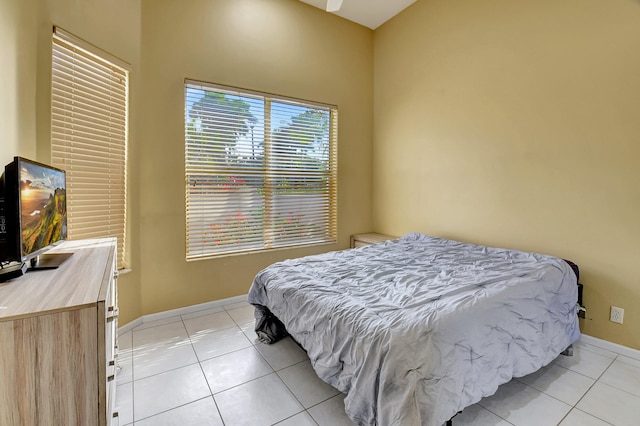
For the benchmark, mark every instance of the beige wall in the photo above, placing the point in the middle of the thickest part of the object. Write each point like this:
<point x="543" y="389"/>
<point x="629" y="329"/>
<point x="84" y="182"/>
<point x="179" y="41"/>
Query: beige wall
<point x="277" y="46"/>
<point x="25" y="87"/>
<point x="516" y="124"/>
<point x="17" y="80"/>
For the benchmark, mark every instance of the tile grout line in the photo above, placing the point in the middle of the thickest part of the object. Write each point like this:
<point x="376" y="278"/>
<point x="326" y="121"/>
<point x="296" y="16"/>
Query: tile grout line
<point x="274" y="371"/>
<point x="592" y="385"/>
<point x="174" y="408"/>
<point x="572" y="407"/>
<point x="198" y="361"/>
<point x="575" y="406"/>
<point x="598" y="381"/>
<point x="215" y="403"/>
<point x="304" y="409"/>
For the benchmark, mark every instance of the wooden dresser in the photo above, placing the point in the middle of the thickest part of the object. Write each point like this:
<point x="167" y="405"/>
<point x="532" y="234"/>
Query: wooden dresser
<point x="58" y="340"/>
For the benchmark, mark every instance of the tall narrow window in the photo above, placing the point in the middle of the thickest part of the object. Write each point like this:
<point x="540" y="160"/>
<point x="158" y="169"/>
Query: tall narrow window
<point x="89" y="115"/>
<point x="260" y="171"/>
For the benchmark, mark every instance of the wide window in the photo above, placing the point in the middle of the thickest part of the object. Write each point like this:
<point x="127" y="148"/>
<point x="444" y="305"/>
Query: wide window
<point x="89" y="113"/>
<point x="260" y="171"/>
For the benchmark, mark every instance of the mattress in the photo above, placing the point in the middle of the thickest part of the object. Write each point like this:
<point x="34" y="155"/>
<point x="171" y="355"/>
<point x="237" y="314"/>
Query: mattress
<point x="416" y="329"/>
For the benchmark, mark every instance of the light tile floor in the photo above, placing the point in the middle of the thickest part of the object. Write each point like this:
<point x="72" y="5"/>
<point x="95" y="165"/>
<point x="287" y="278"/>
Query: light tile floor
<point x="208" y="368"/>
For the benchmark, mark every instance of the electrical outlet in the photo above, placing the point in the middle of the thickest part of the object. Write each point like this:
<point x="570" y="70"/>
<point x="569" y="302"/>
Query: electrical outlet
<point x="617" y="314"/>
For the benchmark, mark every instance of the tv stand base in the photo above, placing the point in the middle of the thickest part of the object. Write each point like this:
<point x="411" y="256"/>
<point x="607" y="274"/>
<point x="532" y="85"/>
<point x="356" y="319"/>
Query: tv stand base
<point x="12" y="271"/>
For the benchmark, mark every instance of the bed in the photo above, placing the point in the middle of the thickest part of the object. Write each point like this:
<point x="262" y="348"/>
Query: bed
<point x="414" y="330"/>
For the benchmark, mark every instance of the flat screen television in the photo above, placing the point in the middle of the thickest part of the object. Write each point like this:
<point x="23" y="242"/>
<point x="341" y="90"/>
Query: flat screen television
<point x="35" y="213"/>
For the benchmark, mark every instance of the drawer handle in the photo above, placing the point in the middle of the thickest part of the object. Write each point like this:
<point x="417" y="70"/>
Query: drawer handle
<point x="112" y="313"/>
<point x="111" y="371"/>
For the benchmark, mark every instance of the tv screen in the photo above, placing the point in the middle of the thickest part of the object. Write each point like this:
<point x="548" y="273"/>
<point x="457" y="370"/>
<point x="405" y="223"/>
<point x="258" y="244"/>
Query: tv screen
<point x="43" y="206"/>
<point x="35" y="204"/>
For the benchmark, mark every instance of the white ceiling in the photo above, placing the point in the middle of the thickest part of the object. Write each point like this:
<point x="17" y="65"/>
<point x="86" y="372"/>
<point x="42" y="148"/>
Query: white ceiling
<point x="370" y="13"/>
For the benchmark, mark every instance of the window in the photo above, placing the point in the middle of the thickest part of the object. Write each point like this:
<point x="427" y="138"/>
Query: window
<point x="260" y="171"/>
<point x="89" y="113"/>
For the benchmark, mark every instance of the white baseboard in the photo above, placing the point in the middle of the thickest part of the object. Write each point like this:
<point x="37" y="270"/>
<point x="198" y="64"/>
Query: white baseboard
<point x="610" y="346"/>
<point x="130" y="326"/>
<point x="180" y="311"/>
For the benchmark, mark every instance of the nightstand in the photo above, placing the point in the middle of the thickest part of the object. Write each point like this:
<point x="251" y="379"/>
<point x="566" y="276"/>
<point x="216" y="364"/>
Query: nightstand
<point x="360" y="240"/>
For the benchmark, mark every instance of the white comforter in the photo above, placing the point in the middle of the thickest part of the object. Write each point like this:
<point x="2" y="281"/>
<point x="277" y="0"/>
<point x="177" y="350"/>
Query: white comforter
<point x="416" y="329"/>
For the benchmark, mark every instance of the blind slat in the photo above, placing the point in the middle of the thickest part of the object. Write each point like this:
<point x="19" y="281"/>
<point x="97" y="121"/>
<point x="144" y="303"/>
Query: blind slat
<point x="89" y="138"/>
<point x="260" y="171"/>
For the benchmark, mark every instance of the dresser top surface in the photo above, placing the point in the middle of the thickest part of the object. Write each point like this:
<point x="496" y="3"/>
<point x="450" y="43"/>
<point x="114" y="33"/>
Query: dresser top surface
<point x="79" y="281"/>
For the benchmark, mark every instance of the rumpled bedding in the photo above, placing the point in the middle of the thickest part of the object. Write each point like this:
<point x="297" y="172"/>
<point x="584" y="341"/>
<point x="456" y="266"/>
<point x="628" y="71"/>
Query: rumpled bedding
<point x="416" y="329"/>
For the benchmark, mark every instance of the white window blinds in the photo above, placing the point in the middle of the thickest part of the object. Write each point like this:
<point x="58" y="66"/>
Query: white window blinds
<point x="260" y="171"/>
<point x="89" y="112"/>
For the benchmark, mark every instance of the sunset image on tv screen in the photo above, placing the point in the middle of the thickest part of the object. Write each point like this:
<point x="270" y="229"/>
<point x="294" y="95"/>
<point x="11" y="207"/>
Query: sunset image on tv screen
<point x="43" y="206"/>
